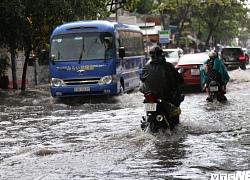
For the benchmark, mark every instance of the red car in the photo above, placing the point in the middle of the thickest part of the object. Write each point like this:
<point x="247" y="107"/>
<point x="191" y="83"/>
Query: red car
<point x="189" y="67"/>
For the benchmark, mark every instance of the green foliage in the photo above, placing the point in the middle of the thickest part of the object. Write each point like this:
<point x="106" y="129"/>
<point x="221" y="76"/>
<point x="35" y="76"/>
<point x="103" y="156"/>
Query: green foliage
<point x="145" y="7"/>
<point x="219" y="19"/>
<point x="128" y="5"/>
<point x="131" y="4"/>
<point x="26" y="22"/>
<point x="12" y="23"/>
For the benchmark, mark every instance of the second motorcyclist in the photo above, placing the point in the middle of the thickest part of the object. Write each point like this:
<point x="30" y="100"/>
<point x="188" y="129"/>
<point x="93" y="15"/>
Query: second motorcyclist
<point x="215" y="70"/>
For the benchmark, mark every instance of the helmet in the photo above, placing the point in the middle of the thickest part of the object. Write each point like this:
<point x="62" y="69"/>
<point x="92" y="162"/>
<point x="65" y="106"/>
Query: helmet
<point x="156" y="50"/>
<point x="212" y="54"/>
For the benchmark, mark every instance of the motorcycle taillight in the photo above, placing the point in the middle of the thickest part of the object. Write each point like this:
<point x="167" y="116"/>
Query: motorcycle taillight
<point x="150" y="97"/>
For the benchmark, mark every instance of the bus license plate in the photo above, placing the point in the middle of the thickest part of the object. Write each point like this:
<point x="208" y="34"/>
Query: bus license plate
<point x="214" y="88"/>
<point x="195" y="72"/>
<point x="150" y="107"/>
<point x="81" y="89"/>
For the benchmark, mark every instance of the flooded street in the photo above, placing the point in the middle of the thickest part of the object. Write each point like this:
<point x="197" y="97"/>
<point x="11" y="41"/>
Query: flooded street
<point x="43" y="138"/>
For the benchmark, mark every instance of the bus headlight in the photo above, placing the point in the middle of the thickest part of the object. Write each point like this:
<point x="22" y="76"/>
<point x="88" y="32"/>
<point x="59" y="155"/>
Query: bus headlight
<point x="57" y="82"/>
<point x="107" y="79"/>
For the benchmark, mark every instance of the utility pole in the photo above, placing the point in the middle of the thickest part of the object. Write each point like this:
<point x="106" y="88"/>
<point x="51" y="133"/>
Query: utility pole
<point x="117" y="10"/>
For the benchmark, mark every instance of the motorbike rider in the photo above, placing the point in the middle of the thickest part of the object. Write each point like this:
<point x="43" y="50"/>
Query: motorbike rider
<point x="161" y="77"/>
<point x="109" y="49"/>
<point x="215" y="70"/>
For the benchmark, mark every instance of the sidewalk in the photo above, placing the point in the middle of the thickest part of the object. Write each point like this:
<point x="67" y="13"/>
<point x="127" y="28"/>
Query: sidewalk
<point x="45" y="88"/>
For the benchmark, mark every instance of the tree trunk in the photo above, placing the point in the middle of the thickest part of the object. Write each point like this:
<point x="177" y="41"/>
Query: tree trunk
<point x="14" y="69"/>
<point x="25" y="71"/>
<point x="208" y="38"/>
<point x="180" y="29"/>
<point x="25" y="66"/>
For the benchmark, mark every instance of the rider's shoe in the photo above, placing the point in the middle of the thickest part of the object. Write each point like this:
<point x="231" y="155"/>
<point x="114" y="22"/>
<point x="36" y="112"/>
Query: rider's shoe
<point x="209" y="99"/>
<point x="182" y="97"/>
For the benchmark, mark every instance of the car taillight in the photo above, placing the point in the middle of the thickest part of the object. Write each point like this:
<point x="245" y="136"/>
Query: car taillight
<point x="181" y="70"/>
<point x="150" y="97"/>
<point x="242" y="58"/>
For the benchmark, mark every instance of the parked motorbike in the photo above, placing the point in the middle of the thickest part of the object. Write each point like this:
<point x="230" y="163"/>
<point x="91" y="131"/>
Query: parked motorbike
<point x="159" y="114"/>
<point x="215" y="90"/>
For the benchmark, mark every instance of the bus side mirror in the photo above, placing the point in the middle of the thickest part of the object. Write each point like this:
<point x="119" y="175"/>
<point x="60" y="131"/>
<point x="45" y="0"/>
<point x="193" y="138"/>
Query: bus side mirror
<point x="121" y="52"/>
<point x="52" y="59"/>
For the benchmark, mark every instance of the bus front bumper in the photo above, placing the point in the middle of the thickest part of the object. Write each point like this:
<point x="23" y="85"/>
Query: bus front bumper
<point x="71" y="91"/>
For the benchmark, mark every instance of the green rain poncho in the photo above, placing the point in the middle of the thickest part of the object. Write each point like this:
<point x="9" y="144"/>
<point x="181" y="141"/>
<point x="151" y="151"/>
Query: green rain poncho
<point x="219" y="66"/>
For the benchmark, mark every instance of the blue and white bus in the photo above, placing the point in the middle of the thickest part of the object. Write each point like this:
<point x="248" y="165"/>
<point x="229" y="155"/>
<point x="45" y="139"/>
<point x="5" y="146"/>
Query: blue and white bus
<point x="83" y="64"/>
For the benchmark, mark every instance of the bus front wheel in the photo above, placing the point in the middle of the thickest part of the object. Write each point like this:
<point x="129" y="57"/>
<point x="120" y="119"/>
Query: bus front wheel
<point x="121" y="89"/>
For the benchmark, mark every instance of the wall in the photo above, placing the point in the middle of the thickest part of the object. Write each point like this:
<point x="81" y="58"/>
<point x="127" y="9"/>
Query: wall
<point x="38" y="75"/>
<point x="35" y="75"/>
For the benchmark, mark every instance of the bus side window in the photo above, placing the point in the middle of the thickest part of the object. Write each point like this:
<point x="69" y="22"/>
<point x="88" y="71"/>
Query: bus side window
<point x="121" y="52"/>
<point x="120" y="49"/>
<point x="117" y="45"/>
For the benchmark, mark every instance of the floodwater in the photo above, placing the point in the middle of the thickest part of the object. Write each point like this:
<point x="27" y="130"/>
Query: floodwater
<point x="43" y="138"/>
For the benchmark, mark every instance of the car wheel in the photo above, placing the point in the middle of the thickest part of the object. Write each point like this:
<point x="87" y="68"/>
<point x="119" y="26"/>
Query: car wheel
<point x="243" y="67"/>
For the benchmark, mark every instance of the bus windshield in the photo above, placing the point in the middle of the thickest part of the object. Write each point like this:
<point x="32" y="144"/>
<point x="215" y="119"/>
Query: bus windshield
<point x="82" y="46"/>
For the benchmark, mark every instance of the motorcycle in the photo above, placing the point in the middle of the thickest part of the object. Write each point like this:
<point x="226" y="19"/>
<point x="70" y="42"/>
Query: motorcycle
<point x="159" y="114"/>
<point x="215" y="90"/>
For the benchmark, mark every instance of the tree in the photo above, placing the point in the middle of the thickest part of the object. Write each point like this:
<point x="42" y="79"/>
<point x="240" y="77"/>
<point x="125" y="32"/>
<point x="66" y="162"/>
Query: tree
<point x="204" y="16"/>
<point x="220" y="20"/>
<point x="145" y="7"/>
<point x="27" y="23"/>
<point x="179" y="12"/>
<point x="11" y="29"/>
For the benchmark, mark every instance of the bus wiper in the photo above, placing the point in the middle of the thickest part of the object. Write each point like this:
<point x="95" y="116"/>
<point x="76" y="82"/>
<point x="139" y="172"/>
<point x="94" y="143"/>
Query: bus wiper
<point x="105" y="56"/>
<point x="80" y="58"/>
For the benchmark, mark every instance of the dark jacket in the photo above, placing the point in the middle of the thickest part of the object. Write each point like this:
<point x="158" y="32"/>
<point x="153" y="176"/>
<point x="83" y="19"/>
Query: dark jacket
<point x="161" y="77"/>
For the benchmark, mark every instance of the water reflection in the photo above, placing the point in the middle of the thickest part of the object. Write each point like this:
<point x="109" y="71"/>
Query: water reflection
<point x="168" y="152"/>
<point x="100" y="138"/>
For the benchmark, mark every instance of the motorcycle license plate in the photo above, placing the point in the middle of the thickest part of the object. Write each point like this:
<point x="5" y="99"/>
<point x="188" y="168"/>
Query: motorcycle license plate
<point x="214" y="88"/>
<point x="150" y="107"/>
